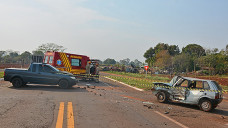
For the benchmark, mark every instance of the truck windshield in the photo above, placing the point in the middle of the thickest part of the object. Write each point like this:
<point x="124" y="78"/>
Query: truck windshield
<point x="55" y="69"/>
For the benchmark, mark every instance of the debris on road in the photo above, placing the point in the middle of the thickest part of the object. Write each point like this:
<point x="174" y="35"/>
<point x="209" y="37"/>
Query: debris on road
<point x="223" y="117"/>
<point x="166" y="112"/>
<point x="148" y="103"/>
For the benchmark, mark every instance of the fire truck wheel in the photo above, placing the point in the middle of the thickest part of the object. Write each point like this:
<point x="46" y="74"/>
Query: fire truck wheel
<point x="63" y="83"/>
<point x="96" y="80"/>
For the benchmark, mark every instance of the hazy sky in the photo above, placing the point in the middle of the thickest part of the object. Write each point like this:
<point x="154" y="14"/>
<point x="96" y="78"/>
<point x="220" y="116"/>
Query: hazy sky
<point x="116" y="29"/>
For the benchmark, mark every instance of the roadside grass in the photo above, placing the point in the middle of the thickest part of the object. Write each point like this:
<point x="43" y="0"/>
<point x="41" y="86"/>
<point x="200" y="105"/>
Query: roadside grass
<point x="141" y="80"/>
<point x="142" y="76"/>
<point x="146" y="85"/>
<point x="1" y="74"/>
<point x="225" y="88"/>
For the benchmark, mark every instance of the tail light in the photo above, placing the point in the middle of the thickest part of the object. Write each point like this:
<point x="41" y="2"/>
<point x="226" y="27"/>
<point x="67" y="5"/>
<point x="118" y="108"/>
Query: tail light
<point x="4" y="74"/>
<point x="216" y="95"/>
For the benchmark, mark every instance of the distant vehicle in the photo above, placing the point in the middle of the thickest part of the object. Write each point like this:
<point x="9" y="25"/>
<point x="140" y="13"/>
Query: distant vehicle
<point x="39" y="73"/>
<point x="207" y="94"/>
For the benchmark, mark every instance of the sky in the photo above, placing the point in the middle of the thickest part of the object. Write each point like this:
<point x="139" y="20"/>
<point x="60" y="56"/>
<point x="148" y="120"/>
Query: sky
<point x="116" y="29"/>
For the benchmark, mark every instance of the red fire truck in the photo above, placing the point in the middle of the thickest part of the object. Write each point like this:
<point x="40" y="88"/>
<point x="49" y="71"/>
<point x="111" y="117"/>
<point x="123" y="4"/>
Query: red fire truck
<point x="73" y="63"/>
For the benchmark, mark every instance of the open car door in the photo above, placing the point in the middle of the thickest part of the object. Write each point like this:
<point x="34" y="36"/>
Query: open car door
<point x="180" y="88"/>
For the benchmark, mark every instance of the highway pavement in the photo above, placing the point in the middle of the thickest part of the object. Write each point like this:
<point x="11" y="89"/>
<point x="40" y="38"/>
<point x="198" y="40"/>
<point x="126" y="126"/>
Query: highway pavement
<point x="106" y="104"/>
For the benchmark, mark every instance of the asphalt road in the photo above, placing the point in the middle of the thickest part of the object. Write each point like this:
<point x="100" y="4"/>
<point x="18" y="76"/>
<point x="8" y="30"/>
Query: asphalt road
<point x="108" y="105"/>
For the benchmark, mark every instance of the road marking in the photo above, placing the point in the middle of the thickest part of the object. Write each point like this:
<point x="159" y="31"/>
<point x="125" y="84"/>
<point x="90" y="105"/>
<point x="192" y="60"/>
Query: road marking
<point x="138" y="89"/>
<point x="174" y="121"/>
<point x="59" y="123"/>
<point x="70" y="116"/>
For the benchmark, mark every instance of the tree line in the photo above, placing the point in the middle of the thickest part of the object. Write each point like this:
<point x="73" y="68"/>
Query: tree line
<point x="169" y="59"/>
<point x="123" y="62"/>
<point x="14" y="57"/>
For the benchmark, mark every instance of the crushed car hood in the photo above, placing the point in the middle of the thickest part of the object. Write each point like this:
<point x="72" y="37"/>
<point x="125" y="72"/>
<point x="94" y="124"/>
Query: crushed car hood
<point x="168" y="84"/>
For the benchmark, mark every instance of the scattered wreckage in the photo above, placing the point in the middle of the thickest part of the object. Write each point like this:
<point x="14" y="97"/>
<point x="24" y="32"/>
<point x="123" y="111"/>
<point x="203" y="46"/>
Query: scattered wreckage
<point x="207" y="94"/>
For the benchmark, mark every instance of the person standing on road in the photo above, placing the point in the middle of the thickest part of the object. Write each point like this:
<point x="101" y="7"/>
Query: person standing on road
<point x="88" y="67"/>
<point x="97" y="69"/>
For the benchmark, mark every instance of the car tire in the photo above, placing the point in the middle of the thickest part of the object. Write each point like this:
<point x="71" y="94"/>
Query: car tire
<point x="205" y="105"/>
<point x="64" y="84"/>
<point x="162" y="97"/>
<point x="17" y="82"/>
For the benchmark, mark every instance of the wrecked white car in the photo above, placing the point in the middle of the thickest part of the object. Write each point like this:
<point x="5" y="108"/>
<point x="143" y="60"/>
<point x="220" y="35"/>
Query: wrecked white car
<point x="207" y="94"/>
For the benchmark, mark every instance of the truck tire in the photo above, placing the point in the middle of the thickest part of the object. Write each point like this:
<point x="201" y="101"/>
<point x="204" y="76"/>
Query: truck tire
<point x="17" y="82"/>
<point x="205" y="105"/>
<point x="162" y="97"/>
<point x="64" y="84"/>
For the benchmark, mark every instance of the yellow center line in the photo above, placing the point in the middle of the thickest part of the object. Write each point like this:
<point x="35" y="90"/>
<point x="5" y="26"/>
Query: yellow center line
<point x="59" y="123"/>
<point x="70" y="116"/>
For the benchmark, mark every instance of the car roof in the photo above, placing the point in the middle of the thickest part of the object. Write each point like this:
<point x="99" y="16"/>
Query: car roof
<point x="195" y="79"/>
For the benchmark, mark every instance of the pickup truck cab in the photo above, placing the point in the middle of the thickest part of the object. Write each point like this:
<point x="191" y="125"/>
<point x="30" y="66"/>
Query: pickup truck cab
<point x="39" y="73"/>
<point x="207" y="94"/>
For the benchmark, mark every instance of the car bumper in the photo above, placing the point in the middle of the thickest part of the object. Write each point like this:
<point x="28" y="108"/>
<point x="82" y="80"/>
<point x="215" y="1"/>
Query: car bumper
<point x="73" y="82"/>
<point x="6" y="78"/>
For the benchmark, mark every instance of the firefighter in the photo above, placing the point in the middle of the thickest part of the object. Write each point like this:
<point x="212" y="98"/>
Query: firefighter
<point x="97" y="69"/>
<point x="88" y="67"/>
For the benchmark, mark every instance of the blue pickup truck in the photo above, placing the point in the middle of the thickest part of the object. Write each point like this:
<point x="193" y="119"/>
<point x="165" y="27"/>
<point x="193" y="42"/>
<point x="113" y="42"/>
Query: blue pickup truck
<point x="39" y="73"/>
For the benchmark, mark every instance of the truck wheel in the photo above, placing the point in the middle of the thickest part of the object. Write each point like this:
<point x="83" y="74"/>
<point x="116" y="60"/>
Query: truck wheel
<point x="162" y="97"/>
<point x="24" y="84"/>
<point x="63" y="84"/>
<point x="205" y="105"/>
<point x="17" y="82"/>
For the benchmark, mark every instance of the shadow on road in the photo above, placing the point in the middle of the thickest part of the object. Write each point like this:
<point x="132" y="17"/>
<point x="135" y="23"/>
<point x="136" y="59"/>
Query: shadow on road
<point x="53" y="88"/>
<point x="215" y="111"/>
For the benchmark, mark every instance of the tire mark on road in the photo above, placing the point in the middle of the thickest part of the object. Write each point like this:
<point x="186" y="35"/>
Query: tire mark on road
<point x="3" y="113"/>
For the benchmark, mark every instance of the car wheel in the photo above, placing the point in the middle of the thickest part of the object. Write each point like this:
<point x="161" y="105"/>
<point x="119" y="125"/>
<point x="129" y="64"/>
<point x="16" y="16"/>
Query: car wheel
<point x="162" y="97"/>
<point x="63" y="84"/>
<point x="17" y="82"/>
<point x="206" y="105"/>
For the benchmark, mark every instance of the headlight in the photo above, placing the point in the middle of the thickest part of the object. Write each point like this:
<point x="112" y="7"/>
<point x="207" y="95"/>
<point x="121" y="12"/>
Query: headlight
<point x="72" y="77"/>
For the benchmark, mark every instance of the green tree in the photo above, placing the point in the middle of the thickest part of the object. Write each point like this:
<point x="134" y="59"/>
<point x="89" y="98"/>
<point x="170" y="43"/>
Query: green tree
<point x="195" y="51"/>
<point x="173" y="50"/>
<point x="51" y="47"/>
<point x="150" y="56"/>
<point x="1" y="55"/>
<point x="109" y="61"/>
<point x="163" y="60"/>
<point x="181" y="63"/>
<point x="37" y="53"/>
<point x="125" y="61"/>
<point x="26" y="57"/>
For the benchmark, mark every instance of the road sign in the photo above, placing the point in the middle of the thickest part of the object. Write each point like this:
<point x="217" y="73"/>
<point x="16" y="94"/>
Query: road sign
<point x="146" y="67"/>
